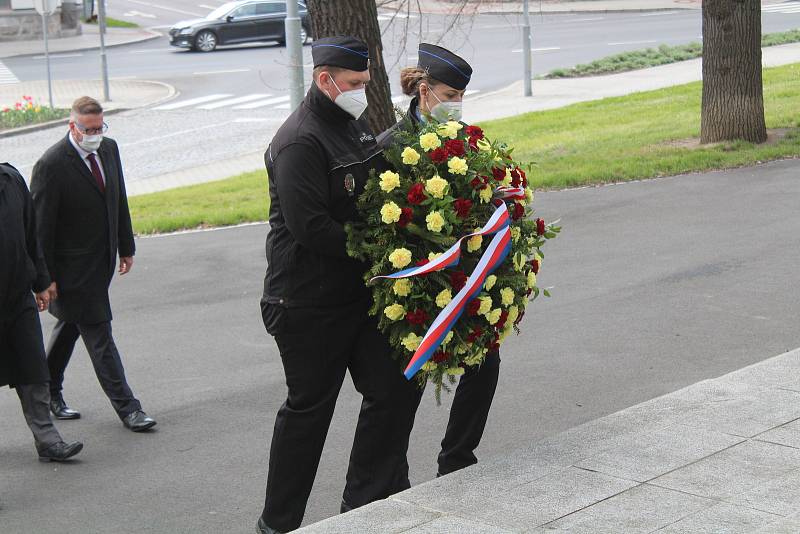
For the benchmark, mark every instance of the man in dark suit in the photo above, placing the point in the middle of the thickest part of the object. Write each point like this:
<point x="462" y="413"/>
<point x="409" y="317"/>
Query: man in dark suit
<point x="22" y="359"/>
<point x="83" y="222"/>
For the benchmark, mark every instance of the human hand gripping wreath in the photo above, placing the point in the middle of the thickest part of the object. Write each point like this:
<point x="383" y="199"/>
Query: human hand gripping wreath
<point x="452" y="247"/>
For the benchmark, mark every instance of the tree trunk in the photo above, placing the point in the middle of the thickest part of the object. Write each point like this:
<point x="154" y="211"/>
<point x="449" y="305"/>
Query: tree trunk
<point x="733" y="102"/>
<point x="359" y="18"/>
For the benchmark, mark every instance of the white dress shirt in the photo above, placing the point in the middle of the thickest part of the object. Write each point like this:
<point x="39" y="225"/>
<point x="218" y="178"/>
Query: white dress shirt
<point x="84" y="155"/>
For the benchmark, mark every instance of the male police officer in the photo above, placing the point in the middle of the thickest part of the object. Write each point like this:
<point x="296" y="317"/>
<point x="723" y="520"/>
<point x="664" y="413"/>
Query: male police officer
<point x="315" y="301"/>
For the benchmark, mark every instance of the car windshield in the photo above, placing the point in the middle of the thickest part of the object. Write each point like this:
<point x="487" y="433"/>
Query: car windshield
<point x="221" y="11"/>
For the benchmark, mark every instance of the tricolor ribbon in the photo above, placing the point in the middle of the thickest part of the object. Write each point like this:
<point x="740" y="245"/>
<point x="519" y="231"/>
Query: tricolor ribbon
<point x="495" y="254"/>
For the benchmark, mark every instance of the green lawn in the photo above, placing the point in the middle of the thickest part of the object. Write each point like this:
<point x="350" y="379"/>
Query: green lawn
<point x="652" y="57"/>
<point x="115" y="23"/>
<point x="242" y="198"/>
<point x="614" y="139"/>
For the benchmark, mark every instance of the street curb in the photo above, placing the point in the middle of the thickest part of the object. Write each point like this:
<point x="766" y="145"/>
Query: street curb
<point x="113" y="111"/>
<point x="153" y="35"/>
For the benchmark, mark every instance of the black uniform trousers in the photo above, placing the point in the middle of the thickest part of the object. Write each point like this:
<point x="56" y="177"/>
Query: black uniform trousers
<point x="317" y="347"/>
<point x="105" y="358"/>
<point x="468" y="414"/>
<point x="22" y="336"/>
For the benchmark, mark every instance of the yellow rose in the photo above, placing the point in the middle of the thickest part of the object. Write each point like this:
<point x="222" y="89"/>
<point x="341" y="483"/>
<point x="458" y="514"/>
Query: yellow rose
<point x="507" y="180"/>
<point x="400" y="257"/>
<point x="410" y="156"/>
<point x="529" y="194"/>
<point x="390" y="213"/>
<point x="484" y="145"/>
<point x="402" y="287"/>
<point x="449" y="129"/>
<point x="389" y="181"/>
<point x="504" y="334"/>
<point x="515" y="233"/>
<point x="493" y="316"/>
<point x="433" y="255"/>
<point x="429" y="141"/>
<point x="474" y="360"/>
<point x="436" y="186"/>
<point x="395" y="312"/>
<point x="411" y="342"/>
<point x="507" y="296"/>
<point x="455" y="371"/>
<point x="485" y="194"/>
<point x="531" y="280"/>
<point x="490" y="281"/>
<point x="474" y="243"/>
<point x="519" y="261"/>
<point x="513" y="315"/>
<point x="457" y="165"/>
<point x="448" y="338"/>
<point x="486" y="304"/>
<point x="435" y="221"/>
<point x="443" y="298"/>
<point x="461" y="349"/>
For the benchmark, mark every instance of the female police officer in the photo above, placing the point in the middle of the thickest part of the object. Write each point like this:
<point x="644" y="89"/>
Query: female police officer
<point x="437" y="85"/>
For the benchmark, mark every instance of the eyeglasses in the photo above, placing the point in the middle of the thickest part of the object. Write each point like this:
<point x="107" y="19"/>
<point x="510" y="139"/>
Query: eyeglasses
<point x="92" y="131"/>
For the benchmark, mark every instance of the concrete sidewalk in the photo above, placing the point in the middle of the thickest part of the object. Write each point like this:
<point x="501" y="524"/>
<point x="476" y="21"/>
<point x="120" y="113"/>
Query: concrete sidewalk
<point x="90" y="39"/>
<point x="722" y="455"/>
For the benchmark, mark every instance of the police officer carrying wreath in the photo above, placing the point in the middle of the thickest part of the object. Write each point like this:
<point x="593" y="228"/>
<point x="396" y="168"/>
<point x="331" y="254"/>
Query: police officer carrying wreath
<point x="315" y="300"/>
<point x="437" y="85"/>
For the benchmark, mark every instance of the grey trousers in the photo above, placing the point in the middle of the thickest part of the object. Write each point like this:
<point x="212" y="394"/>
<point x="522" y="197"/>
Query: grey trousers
<point x="35" y="400"/>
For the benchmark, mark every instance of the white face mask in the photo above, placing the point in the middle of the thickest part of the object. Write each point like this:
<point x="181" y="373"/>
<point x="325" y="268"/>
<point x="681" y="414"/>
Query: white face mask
<point x="353" y="102"/>
<point x="445" y="111"/>
<point x="90" y="143"/>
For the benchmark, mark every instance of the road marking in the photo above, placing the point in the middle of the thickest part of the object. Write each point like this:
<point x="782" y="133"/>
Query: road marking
<point x="192" y="102"/>
<point x="182" y="12"/>
<point x="212" y="8"/>
<point x="471" y="92"/>
<point x="251" y="119"/>
<point x="545" y="49"/>
<point x="784" y="7"/>
<point x="151" y="51"/>
<point x="263" y="103"/>
<point x="219" y="72"/>
<point x="397" y="15"/>
<point x="233" y="101"/>
<point x="632" y="42"/>
<point x="6" y="76"/>
<point x="173" y="134"/>
<point x="60" y="56"/>
<point x="658" y="13"/>
<point x="584" y="20"/>
<point x="139" y="14"/>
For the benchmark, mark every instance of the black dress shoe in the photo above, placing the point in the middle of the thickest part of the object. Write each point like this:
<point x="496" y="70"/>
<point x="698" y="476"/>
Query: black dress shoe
<point x="139" y="421"/>
<point x="60" y="452"/>
<point x="262" y="528"/>
<point x="61" y="410"/>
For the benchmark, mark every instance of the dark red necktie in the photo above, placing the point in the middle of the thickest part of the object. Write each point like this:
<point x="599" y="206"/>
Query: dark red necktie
<point x="98" y="176"/>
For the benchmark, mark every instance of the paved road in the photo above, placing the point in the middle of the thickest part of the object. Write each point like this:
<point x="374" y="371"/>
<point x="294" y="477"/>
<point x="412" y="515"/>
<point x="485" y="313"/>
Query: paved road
<point x="657" y="285"/>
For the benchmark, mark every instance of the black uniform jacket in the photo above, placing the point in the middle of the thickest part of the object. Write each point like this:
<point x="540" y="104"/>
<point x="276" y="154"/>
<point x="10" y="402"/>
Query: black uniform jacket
<point x="22" y="268"/>
<point x="410" y="120"/>
<point x="318" y="164"/>
<point x="81" y="229"/>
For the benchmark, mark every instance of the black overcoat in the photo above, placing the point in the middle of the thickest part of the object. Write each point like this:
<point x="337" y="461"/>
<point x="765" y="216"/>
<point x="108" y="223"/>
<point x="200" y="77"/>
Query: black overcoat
<point x="81" y="228"/>
<point x="22" y="268"/>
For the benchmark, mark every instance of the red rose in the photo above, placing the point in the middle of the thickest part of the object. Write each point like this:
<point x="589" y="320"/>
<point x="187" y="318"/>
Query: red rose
<point x="440" y="356"/>
<point x="519" y="211"/>
<point x="473" y="143"/>
<point x="476" y="183"/>
<point x="516" y="177"/>
<point x="502" y="321"/>
<point x="416" y="194"/>
<point x="417" y="317"/>
<point x="454" y="147"/>
<point x="473" y="306"/>
<point x="406" y="215"/>
<point x="474" y="131"/>
<point x="521" y="314"/>
<point x="458" y="280"/>
<point x="535" y="266"/>
<point x="475" y="334"/>
<point x="462" y="207"/>
<point x="499" y="174"/>
<point x="438" y="155"/>
<point x="540" y="228"/>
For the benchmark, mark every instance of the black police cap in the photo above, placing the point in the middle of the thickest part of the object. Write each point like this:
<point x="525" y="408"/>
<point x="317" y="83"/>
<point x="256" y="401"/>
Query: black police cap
<point x="444" y="65"/>
<point x="345" y="52"/>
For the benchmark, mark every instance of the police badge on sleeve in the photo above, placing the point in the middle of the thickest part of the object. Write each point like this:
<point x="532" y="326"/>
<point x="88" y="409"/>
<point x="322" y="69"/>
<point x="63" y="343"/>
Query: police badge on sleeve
<point x="349" y="184"/>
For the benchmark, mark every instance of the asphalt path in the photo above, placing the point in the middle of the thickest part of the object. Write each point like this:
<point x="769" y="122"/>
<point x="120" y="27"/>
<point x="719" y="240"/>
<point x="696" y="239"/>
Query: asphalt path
<point x="657" y="285"/>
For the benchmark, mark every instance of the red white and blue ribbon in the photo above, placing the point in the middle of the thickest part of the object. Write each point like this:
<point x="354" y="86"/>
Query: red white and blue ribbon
<point x="450" y="258"/>
<point x="494" y="255"/>
<point x="511" y="193"/>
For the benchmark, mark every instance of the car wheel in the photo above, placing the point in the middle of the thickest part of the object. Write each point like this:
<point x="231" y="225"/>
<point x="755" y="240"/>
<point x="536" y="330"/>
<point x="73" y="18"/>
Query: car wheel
<point x="303" y="35"/>
<point x="206" y="41"/>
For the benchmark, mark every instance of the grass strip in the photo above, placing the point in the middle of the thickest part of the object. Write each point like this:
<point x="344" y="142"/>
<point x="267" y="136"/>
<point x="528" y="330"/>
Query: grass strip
<point x="610" y="140"/>
<point x="114" y="23"/>
<point x="652" y="57"/>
